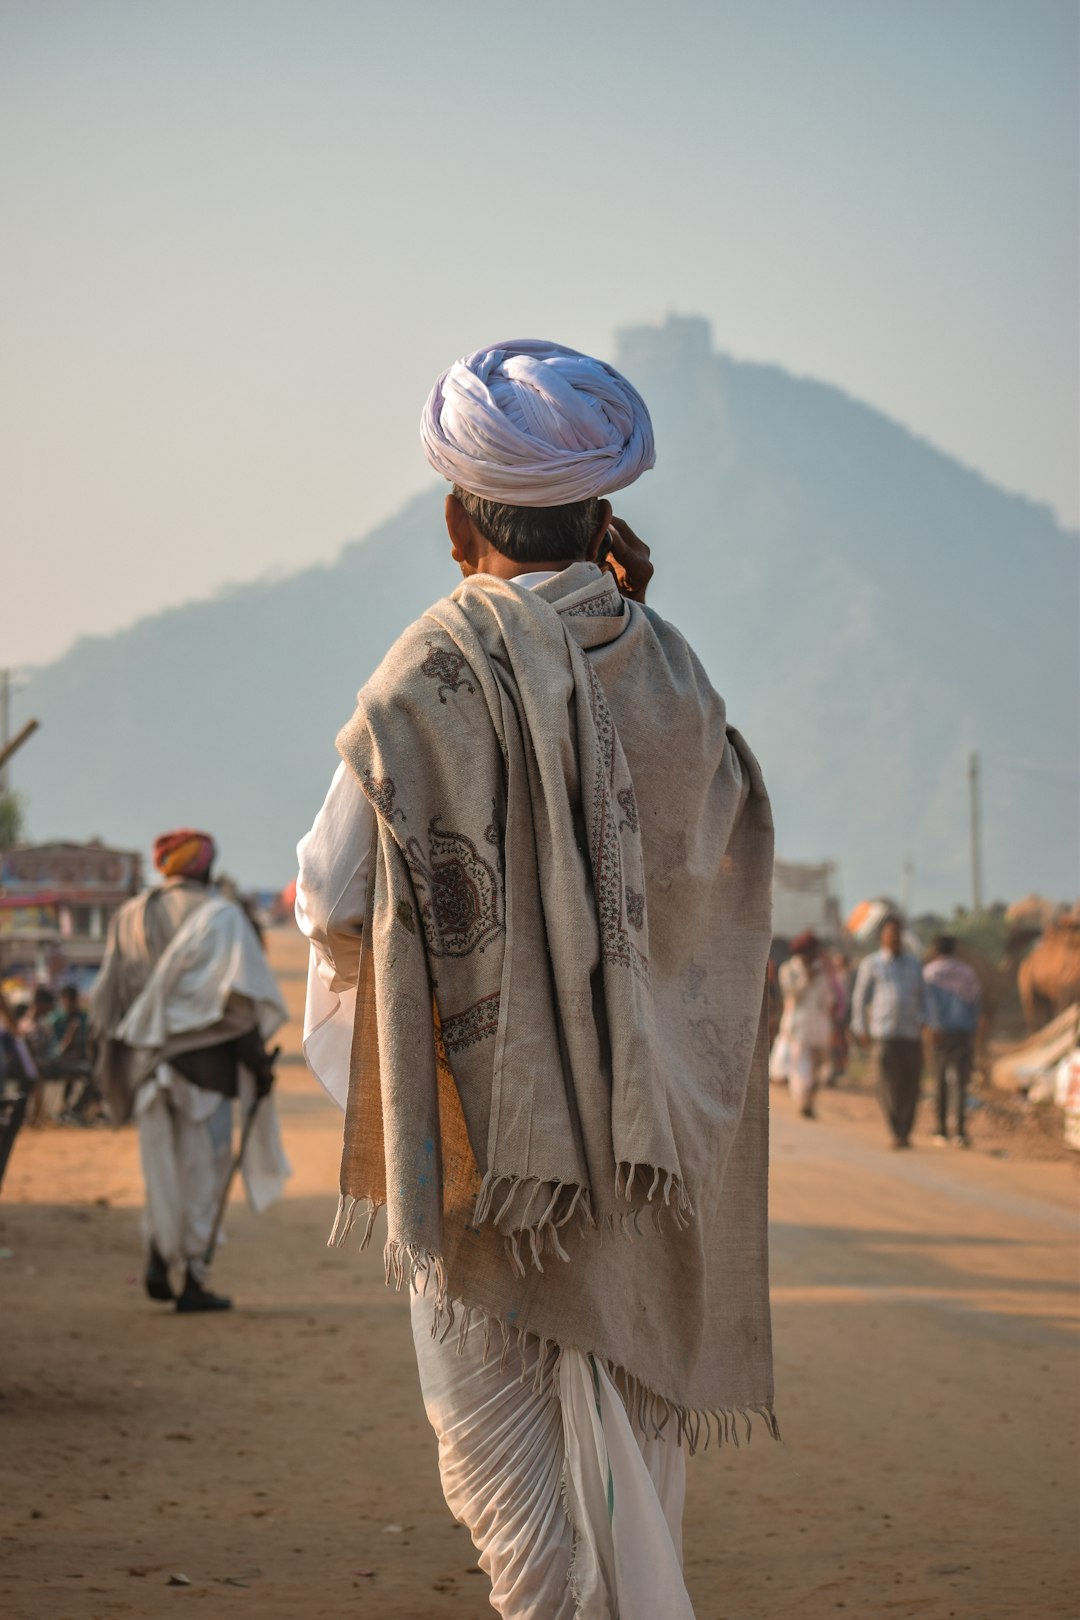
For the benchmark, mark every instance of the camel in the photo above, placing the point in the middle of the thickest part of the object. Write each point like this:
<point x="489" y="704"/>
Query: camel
<point x="1033" y="915"/>
<point x="1049" y="977"/>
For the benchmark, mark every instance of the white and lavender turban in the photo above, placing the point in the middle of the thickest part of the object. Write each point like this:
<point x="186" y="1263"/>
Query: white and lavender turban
<point x="530" y="423"/>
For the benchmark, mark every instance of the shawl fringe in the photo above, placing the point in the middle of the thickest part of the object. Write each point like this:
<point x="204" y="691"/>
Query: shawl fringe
<point x="409" y="1265"/>
<point x="531" y="1240"/>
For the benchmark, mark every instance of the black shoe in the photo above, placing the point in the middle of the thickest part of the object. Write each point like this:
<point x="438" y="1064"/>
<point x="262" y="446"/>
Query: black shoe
<point x="197" y="1298"/>
<point x="807" y="1111"/>
<point x="157" y="1281"/>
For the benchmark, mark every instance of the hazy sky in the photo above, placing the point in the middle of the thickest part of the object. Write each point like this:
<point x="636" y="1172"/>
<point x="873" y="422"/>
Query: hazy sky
<point x="242" y="236"/>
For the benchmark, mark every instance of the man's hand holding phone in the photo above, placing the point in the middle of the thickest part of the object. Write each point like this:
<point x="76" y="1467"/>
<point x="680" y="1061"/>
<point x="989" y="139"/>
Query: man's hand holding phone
<point x="626" y="559"/>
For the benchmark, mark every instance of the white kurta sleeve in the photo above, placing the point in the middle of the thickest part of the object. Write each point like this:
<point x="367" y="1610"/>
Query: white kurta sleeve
<point x="331" y="897"/>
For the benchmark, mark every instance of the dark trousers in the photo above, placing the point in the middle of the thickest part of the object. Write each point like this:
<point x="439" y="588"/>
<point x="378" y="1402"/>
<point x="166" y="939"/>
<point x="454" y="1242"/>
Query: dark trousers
<point x="954" y="1051"/>
<point x="899" y="1074"/>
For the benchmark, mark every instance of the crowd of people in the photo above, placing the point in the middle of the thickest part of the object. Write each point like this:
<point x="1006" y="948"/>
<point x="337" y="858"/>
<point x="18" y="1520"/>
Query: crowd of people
<point x="46" y="1046"/>
<point x="908" y="1014"/>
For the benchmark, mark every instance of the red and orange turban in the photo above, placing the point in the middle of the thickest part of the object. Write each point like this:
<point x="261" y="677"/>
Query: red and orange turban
<point x="184" y="853"/>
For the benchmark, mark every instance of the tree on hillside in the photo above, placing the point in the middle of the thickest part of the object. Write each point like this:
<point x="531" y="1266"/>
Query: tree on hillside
<point x="12" y="820"/>
<point x="986" y="930"/>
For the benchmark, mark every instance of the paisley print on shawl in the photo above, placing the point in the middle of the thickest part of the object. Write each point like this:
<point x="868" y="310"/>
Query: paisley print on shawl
<point x="381" y="794"/>
<point x="446" y="667"/>
<point x="460" y="892"/>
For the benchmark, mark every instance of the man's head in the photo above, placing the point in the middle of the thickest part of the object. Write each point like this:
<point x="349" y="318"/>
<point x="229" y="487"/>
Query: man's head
<point x="530" y="435"/>
<point x="44" y="1001"/>
<point x="530" y="536"/>
<point x="185" y="853"/>
<point x="892" y="935"/>
<point x="69" y="998"/>
<point x="807" y="945"/>
<point x="944" y="945"/>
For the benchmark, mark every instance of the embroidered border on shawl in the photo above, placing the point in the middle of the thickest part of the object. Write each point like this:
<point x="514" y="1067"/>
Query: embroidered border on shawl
<point x="608" y="605"/>
<point x="476" y="1023"/>
<point x="606" y="855"/>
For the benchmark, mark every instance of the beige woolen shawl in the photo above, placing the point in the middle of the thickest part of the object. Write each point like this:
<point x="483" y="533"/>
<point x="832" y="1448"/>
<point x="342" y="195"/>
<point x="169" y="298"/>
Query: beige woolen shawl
<point x="558" y="1083"/>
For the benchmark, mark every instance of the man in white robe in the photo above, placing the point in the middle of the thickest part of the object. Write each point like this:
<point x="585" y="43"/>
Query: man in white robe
<point x="802" y="1042"/>
<point x="575" y="1504"/>
<point x="185" y="1004"/>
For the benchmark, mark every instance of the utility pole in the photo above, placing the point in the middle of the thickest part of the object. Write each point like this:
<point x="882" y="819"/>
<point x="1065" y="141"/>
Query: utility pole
<point x="907" y="887"/>
<point x="5" y="723"/>
<point x="976" y="833"/>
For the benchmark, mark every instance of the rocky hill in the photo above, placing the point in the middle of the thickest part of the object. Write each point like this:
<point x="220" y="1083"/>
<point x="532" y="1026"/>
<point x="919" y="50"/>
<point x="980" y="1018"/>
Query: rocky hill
<point x="870" y="609"/>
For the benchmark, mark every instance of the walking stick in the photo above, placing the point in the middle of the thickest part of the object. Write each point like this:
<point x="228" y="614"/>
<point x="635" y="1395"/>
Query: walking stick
<point x="249" y="1121"/>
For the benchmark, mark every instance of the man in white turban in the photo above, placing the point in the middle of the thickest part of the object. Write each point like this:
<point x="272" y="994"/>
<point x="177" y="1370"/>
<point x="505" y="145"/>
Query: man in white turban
<point x="534" y="424"/>
<point x="537" y="897"/>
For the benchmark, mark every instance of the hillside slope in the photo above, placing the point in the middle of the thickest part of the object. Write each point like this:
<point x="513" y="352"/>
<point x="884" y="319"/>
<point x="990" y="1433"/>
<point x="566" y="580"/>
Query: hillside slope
<point x="870" y="609"/>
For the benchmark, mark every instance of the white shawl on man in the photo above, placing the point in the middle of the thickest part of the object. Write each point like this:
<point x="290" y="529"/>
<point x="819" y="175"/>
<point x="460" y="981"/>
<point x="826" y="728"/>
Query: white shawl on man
<point x="190" y="992"/>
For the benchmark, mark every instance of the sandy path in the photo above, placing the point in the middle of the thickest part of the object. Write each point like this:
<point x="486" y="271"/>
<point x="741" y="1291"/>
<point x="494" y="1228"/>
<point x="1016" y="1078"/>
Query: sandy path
<point x="925" y="1315"/>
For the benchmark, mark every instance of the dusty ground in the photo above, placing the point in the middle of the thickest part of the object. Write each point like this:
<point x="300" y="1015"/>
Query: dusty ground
<point x="278" y="1458"/>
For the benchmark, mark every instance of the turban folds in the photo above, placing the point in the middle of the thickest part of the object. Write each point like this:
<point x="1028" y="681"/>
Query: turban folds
<point x="184" y="853"/>
<point x="531" y="423"/>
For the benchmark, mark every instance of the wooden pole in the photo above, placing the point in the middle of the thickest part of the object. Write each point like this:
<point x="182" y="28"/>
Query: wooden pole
<point x="907" y="887"/>
<point x="976" y="833"/>
<point x="5" y="725"/>
<point x="15" y="744"/>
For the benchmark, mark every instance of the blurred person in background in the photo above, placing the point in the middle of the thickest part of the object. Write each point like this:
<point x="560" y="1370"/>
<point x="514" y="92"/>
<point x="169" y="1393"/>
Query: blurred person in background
<point x="36" y="1028"/>
<point x="71" y="1026"/>
<point x="801" y="1048"/>
<point x="889" y="1008"/>
<point x="184" y="1004"/>
<point x="954" y="1004"/>
<point x="16" y="1059"/>
<point x="71" y="1059"/>
<point x="841" y="978"/>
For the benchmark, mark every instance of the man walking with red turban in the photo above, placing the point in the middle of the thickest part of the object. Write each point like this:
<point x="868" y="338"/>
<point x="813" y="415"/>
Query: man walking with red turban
<point x="185" y="1003"/>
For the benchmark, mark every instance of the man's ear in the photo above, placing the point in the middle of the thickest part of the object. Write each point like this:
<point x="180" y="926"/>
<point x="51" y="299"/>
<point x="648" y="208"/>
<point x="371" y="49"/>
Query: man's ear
<point x="463" y="542"/>
<point x="603" y="521"/>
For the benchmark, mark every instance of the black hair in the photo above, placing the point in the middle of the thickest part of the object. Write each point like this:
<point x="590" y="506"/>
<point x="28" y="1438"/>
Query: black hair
<point x="945" y="944"/>
<point x="534" y="533"/>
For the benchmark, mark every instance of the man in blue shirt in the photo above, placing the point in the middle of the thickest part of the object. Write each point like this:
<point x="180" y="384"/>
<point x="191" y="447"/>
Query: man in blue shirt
<point x="954" y="1004"/>
<point x="889" y="1007"/>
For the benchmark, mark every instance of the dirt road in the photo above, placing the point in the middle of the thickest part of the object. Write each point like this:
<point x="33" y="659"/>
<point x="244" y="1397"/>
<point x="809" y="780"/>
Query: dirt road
<point x="279" y="1460"/>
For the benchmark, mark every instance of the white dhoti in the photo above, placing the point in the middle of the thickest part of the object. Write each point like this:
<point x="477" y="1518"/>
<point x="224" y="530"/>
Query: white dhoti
<point x="575" y="1514"/>
<point x="796" y="1061"/>
<point x="185" y="1144"/>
